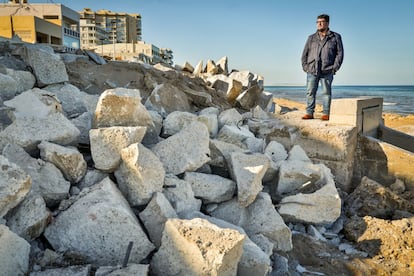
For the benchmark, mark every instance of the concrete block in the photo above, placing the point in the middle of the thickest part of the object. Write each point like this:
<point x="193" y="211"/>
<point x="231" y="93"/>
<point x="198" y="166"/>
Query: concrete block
<point x="363" y="112"/>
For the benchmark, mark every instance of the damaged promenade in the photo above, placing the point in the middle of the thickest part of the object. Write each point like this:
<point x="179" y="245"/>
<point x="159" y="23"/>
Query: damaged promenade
<point x="129" y="168"/>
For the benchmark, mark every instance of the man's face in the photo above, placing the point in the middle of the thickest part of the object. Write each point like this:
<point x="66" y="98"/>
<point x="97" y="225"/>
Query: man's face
<point x="321" y="25"/>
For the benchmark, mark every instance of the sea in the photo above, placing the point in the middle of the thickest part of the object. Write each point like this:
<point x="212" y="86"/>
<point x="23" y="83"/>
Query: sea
<point x="397" y="99"/>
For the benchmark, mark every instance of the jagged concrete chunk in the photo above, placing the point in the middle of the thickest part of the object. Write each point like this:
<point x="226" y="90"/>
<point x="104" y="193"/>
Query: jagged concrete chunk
<point x="15" y="184"/>
<point x="198" y="69"/>
<point x="105" y="224"/>
<point x="8" y="87"/>
<point x="210" y="188"/>
<point x="154" y="216"/>
<point x="298" y="154"/>
<point x="276" y="153"/>
<point x="248" y="170"/>
<point x="153" y="132"/>
<point x="166" y="98"/>
<point x="29" y="218"/>
<point x="69" y="160"/>
<point x="250" y="97"/>
<point x="211" y="67"/>
<point x="197" y="247"/>
<point x="55" y="128"/>
<point x="107" y="143"/>
<point x="180" y="194"/>
<point x="140" y="174"/>
<point x="187" y="67"/>
<point x="259" y="114"/>
<point x="234" y="135"/>
<point x="220" y="152"/>
<point x="296" y="175"/>
<point x="210" y="120"/>
<point x="91" y="178"/>
<point x="223" y="65"/>
<point x="15" y="82"/>
<point x="245" y="77"/>
<point x="73" y="101"/>
<point x="34" y="103"/>
<point x="14" y="253"/>
<point x="229" y="117"/>
<point x="320" y="207"/>
<point x="254" y="144"/>
<point x="230" y="87"/>
<point x="47" y="66"/>
<point x="264" y="219"/>
<point x="258" y="218"/>
<point x="264" y="243"/>
<point x="84" y="123"/>
<point x="47" y="180"/>
<point x="185" y="151"/>
<point x="121" y="107"/>
<point x="175" y="121"/>
<point x="253" y="261"/>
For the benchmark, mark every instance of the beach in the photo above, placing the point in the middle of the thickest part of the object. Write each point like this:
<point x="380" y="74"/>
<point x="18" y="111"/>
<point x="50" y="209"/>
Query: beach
<point x="403" y="123"/>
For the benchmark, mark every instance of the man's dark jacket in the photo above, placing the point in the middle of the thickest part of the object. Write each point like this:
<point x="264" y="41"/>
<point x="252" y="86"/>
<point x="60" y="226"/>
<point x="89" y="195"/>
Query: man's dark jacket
<point x="324" y="56"/>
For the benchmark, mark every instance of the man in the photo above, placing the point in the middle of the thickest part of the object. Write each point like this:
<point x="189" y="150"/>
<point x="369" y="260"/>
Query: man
<point x="321" y="59"/>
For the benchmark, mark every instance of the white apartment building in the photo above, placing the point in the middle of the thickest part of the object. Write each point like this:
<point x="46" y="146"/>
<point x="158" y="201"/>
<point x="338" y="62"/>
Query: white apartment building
<point x="118" y="36"/>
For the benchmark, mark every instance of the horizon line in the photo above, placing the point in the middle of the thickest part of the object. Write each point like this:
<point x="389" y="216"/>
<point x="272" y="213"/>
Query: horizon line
<point x="304" y="85"/>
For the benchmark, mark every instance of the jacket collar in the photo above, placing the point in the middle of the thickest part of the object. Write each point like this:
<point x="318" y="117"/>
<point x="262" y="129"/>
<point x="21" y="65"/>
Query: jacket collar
<point x="328" y="33"/>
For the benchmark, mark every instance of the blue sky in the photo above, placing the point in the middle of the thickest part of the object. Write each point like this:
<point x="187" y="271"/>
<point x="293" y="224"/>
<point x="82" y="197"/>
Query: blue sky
<point x="267" y="36"/>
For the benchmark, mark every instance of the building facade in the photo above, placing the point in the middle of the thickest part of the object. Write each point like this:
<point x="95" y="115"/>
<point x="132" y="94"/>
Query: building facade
<point x="118" y="36"/>
<point x="104" y="27"/>
<point x="114" y="35"/>
<point x="40" y="23"/>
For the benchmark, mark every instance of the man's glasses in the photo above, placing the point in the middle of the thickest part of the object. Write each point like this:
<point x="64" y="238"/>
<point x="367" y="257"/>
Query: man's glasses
<point x="320" y="21"/>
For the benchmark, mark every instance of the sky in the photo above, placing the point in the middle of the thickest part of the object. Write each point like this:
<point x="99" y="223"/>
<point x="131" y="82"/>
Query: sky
<point x="267" y="37"/>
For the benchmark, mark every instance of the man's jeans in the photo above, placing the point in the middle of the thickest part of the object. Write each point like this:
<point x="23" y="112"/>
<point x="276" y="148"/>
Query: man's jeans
<point x="312" y="83"/>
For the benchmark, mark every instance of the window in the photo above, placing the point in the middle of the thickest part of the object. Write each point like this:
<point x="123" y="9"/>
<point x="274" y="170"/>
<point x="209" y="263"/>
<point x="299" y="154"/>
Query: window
<point x="50" y="17"/>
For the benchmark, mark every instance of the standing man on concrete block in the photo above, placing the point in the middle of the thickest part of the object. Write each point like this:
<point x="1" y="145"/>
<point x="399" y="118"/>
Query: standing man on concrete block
<point x="321" y="59"/>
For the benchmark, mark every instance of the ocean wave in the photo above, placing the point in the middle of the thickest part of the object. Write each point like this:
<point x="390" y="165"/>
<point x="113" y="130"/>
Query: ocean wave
<point x="389" y="103"/>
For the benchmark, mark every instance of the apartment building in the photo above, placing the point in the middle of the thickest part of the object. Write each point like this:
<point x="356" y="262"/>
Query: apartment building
<point x="104" y="27"/>
<point x="115" y="35"/>
<point x="118" y="36"/>
<point x="40" y="23"/>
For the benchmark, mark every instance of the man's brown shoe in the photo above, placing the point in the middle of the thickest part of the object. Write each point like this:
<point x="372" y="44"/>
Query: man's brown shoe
<point x="307" y="117"/>
<point x="325" y="117"/>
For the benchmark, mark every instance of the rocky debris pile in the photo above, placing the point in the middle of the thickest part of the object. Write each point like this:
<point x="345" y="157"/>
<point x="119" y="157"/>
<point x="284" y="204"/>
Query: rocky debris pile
<point x="124" y="168"/>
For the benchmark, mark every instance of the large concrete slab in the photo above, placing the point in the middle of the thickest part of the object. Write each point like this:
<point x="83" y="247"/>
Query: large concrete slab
<point x="364" y="112"/>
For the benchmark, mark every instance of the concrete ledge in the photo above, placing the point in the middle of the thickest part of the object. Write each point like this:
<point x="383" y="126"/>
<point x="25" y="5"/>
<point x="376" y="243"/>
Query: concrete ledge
<point x="400" y="164"/>
<point x="396" y="138"/>
<point x="384" y="162"/>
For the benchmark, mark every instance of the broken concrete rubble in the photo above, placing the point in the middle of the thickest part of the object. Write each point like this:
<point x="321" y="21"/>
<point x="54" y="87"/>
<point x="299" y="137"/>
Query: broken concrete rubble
<point x="98" y="212"/>
<point x="140" y="174"/>
<point x="197" y="247"/>
<point x="14" y="253"/>
<point x="15" y="184"/>
<point x="106" y="144"/>
<point x="150" y="146"/>
<point x="47" y="179"/>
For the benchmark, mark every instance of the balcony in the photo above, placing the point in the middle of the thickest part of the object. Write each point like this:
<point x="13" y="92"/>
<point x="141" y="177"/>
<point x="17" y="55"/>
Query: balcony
<point x="70" y="32"/>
